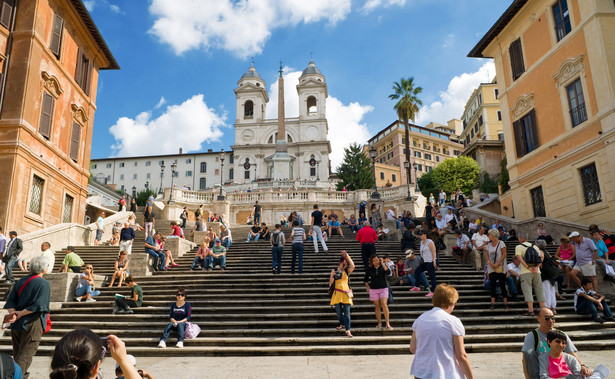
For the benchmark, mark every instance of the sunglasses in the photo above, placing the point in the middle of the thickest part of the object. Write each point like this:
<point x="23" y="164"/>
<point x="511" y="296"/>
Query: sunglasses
<point x="180" y="294"/>
<point x="549" y="318"/>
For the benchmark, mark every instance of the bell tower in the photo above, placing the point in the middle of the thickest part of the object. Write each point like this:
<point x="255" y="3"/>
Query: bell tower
<point x="252" y="98"/>
<point x="312" y="90"/>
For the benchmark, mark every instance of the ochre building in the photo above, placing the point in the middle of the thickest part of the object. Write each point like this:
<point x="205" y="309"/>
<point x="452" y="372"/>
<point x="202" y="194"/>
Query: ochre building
<point x="50" y="56"/>
<point x="555" y="63"/>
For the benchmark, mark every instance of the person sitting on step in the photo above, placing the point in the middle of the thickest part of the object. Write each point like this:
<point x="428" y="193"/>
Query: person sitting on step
<point x="264" y="232"/>
<point x="72" y="262"/>
<point x="170" y="262"/>
<point x="225" y="236"/>
<point x="217" y="256"/>
<point x="121" y="269"/>
<point x="124" y="304"/>
<point x="153" y="249"/>
<point x="254" y="233"/>
<point x="588" y="301"/>
<point x="179" y="315"/>
<point x="85" y="287"/>
<point x="201" y="254"/>
<point x="334" y="225"/>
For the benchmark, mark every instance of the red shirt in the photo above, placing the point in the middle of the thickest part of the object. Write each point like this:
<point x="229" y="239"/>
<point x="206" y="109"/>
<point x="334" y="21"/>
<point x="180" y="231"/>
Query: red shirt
<point x="177" y="230"/>
<point x="367" y="234"/>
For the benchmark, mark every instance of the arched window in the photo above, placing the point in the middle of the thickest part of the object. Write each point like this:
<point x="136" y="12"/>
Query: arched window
<point x="274" y="138"/>
<point x="311" y="105"/>
<point x="248" y="109"/>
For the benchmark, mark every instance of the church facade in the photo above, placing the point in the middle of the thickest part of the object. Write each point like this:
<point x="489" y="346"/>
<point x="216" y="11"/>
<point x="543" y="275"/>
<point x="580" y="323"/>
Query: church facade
<point x="259" y="142"/>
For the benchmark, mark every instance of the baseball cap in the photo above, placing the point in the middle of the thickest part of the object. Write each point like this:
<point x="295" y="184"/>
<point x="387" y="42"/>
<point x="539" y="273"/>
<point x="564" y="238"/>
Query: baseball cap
<point x="409" y="252"/>
<point x="573" y="234"/>
<point x="218" y="240"/>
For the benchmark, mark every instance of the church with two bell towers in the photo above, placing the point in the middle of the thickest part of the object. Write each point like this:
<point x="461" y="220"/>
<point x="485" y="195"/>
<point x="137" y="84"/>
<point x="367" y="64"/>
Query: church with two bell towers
<point x="294" y="148"/>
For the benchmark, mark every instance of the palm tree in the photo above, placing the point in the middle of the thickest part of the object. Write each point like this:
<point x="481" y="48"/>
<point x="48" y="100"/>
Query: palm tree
<point x="407" y="107"/>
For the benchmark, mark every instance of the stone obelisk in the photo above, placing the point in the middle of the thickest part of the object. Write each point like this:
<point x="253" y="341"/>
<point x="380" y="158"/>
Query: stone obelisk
<point x="281" y="159"/>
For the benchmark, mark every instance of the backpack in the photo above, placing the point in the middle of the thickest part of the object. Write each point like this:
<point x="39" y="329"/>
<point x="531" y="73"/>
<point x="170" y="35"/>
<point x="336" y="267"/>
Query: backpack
<point x="531" y="256"/>
<point x="275" y="238"/>
<point x="550" y="268"/>
<point x="7" y="366"/>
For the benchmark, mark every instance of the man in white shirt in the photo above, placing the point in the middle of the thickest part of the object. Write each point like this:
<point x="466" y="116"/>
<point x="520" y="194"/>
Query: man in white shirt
<point x="513" y="277"/>
<point x="440" y="224"/>
<point x="49" y="256"/>
<point x="390" y="215"/>
<point x="480" y="240"/>
<point x="463" y="247"/>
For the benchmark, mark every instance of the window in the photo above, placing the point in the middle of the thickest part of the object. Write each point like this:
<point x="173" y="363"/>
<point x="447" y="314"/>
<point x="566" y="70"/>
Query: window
<point x="56" y="35"/>
<point x="499" y="115"/>
<point x="480" y="98"/>
<point x="456" y="152"/>
<point x="148" y="163"/>
<point x="148" y="176"/>
<point x="67" y="213"/>
<point x="122" y="177"/>
<point x="203" y="167"/>
<point x="202" y="183"/>
<point x="44" y="126"/>
<point x="175" y="174"/>
<point x="248" y="110"/>
<point x="83" y="72"/>
<point x="312" y="109"/>
<point x="121" y="164"/>
<point x="36" y="196"/>
<point x="476" y="127"/>
<point x="134" y="176"/>
<point x="538" y="202"/>
<point x="75" y="140"/>
<point x="136" y="164"/>
<point x="108" y="179"/>
<point x="7" y="13"/>
<point x="501" y="136"/>
<point x="516" y="58"/>
<point x="480" y="120"/>
<point x="188" y="173"/>
<point x="188" y="161"/>
<point x="382" y="176"/>
<point x="231" y="174"/>
<point x="437" y="158"/>
<point x="417" y="154"/>
<point x="526" y="134"/>
<point x="472" y="133"/>
<point x="561" y="16"/>
<point x="108" y="165"/>
<point x="393" y="178"/>
<point x="160" y="163"/>
<point x="94" y="166"/>
<point x="496" y="92"/>
<point x="427" y="156"/>
<point x="590" y="184"/>
<point x="231" y="159"/>
<point x="576" y="102"/>
<point x="246" y="174"/>
<point x="312" y="171"/>
<point x="428" y="168"/>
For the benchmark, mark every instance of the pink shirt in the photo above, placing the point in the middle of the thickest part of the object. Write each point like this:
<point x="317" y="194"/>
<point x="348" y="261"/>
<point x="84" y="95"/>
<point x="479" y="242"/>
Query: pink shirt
<point x="558" y="368"/>
<point x="565" y="255"/>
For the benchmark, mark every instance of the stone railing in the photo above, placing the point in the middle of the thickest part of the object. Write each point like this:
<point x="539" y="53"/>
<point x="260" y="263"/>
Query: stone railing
<point x="62" y="235"/>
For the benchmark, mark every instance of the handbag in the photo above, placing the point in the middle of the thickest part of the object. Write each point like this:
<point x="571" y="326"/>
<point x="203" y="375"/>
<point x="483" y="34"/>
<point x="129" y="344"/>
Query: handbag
<point x="48" y="321"/>
<point x="498" y="269"/>
<point x="192" y="330"/>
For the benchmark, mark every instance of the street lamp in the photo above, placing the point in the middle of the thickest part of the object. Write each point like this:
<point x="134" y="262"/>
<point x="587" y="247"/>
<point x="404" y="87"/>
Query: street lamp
<point x="255" y="178"/>
<point x="416" y="176"/>
<point x="134" y="191"/>
<point x="317" y="170"/>
<point x="173" y="168"/>
<point x="373" y="153"/>
<point x="161" y="191"/>
<point x="221" y="196"/>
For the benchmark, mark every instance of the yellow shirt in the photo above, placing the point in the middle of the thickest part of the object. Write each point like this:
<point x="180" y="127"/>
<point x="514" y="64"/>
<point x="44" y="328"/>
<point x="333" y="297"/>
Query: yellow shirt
<point x="520" y="250"/>
<point x="342" y="285"/>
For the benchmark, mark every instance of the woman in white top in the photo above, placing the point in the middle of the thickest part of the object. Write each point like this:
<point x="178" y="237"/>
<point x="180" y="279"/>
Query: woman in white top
<point x="496" y="258"/>
<point x="429" y="264"/>
<point x="437" y="340"/>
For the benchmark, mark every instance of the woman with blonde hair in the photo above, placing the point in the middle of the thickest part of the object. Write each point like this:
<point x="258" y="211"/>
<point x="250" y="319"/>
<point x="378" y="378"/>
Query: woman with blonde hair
<point x="437" y="340"/>
<point x="85" y="287"/>
<point x="121" y="269"/>
<point x="201" y="254"/>
<point x="496" y="266"/>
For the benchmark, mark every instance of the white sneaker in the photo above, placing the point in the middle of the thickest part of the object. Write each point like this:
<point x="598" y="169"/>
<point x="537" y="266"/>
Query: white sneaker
<point x="90" y="300"/>
<point x="180" y="344"/>
<point x="78" y="299"/>
<point x="162" y="344"/>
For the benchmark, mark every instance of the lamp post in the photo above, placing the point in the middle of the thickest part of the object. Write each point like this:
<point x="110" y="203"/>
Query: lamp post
<point x="134" y="191"/>
<point x="317" y="170"/>
<point x="255" y="178"/>
<point x="173" y="168"/>
<point x="416" y="176"/>
<point x="161" y="191"/>
<point x="373" y="153"/>
<point x="221" y="196"/>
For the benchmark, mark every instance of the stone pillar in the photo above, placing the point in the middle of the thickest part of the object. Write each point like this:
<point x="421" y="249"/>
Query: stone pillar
<point x="178" y="246"/>
<point x="140" y="264"/>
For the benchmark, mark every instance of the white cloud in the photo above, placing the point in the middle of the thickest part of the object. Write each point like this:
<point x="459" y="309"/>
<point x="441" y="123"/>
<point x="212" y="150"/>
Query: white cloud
<point x="452" y="101"/>
<point x="449" y="40"/>
<point x="370" y="5"/>
<point x="161" y="102"/>
<point x="345" y="121"/>
<point x="187" y="125"/>
<point x="89" y="5"/>
<point x="115" y="8"/>
<point x="242" y="27"/>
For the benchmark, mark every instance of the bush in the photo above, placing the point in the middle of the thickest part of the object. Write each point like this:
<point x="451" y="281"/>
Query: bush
<point x="488" y="185"/>
<point x="142" y="197"/>
<point x="504" y="177"/>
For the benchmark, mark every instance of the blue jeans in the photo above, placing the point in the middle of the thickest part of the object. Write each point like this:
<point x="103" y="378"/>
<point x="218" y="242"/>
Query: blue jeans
<point x="196" y="261"/>
<point x="227" y="243"/>
<point x="84" y="290"/>
<point x="343" y="314"/>
<point x="157" y="256"/>
<point x="181" y="328"/>
<point x="431" y="270"/>
<point x="422" y="280"/>
<point x="297" y="250"/>
<point x="256" y="237"/>
<point x="257" y="218"/>
<point x="9" y="267"/>
<point x="211" y="261"/>
<point x="585" y="307"/>
<point x="354" y="228"/>
<point x="276" y="257"/>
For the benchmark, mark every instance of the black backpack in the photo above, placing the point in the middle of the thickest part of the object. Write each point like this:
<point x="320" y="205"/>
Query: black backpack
<point x="275" y="238"/>
<point x="531" y="256"/>
<point x="550" y="268"/>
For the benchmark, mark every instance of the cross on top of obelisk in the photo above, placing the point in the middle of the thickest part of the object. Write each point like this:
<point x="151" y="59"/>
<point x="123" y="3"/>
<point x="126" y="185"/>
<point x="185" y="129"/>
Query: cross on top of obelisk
<point x="281" y="71"/>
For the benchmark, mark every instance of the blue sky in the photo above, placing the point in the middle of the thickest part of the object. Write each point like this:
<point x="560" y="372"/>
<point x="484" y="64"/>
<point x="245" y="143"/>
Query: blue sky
<point x="181" y="60"/>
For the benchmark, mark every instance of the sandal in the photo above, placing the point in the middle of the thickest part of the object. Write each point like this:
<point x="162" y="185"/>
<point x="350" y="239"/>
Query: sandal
<point x="349" y="334"/>
<point x="528" y="313"/>
<point x="389" y="327"/>
<point x="378" y="325"/>
<point x="339" y="327"/>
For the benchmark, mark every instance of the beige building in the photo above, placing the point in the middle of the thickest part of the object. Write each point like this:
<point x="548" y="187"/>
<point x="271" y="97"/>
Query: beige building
<point x="555" y="67"/>
<point x="50" y="53"/>
<point x="482" y="135"/>
<point x="428" y="147"/>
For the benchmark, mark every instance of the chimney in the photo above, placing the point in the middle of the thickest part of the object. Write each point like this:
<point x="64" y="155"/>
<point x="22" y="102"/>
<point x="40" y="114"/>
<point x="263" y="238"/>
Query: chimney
<point x="180" y="151"/>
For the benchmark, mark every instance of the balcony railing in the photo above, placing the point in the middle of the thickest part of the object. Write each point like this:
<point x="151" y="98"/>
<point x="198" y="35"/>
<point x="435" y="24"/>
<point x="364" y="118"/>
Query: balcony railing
<point x="578" y="115"/>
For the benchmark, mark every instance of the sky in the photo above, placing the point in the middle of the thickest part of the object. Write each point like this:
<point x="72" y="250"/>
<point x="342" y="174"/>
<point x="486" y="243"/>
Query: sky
<point x="181" y="60"/>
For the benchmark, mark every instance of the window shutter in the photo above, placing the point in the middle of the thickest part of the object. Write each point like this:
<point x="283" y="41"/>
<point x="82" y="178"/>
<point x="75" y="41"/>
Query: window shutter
<point x="56" y="35"/>
<point x="44" y="127"/>
<point x="74" y="142"/>
<point x="516" y="59"/>
<point x="79" y="67"/>
<point x="87" y="71"/>
<point x="534" y="129"/>
<point x="7" y="13"/>
<point x="519" y="143"/>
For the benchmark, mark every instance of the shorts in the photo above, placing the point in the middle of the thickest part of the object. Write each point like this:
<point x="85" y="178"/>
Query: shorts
<point x="377" y="294"/>
<point x="587" y="269"/>
<point x="98" y="235"/>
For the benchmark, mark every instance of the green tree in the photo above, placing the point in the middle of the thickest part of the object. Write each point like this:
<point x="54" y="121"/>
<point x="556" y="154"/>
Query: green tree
<point x="488" y="185"/>
<point x="504" y="177"/>
<point x="355" y="171"/>
<point x="142" y="197"/>
<point x="428" y="185"/>
<point x="407" y="107"/>
<point x="461" y="172"/>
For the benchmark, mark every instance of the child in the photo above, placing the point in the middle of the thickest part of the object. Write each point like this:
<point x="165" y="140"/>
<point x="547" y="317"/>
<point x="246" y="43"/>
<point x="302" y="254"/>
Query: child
<point x="587" y="301"/>
<point x="558" y="364"/>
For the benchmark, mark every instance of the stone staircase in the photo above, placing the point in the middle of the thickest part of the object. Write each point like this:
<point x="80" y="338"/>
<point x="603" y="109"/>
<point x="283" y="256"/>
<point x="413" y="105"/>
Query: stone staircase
<point x="246" y="310"/>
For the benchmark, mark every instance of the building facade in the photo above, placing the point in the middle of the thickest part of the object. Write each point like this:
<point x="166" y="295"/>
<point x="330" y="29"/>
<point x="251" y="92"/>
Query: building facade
<point x="555" y="64"/>
<point x="482" y="135"/>
<point x="51" y="55"/>
<point x="428" y="147"/>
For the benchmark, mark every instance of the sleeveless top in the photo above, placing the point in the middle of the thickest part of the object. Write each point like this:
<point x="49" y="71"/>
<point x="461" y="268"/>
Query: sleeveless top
<point x="342" y="285"/>
<point x="565" y="255"/>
